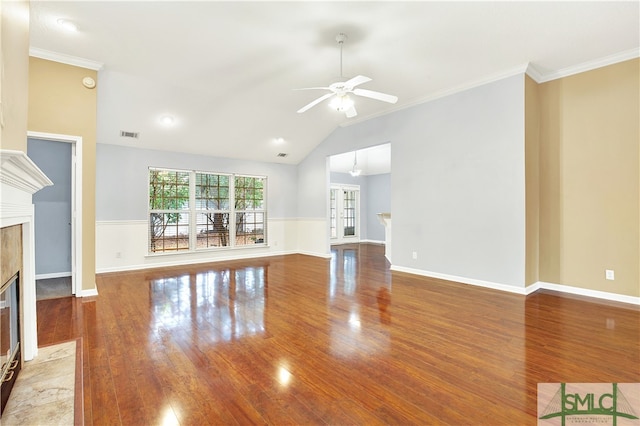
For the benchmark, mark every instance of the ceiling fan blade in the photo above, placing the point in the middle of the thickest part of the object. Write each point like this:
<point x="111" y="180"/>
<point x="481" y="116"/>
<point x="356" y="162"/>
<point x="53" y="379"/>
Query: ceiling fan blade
<point x="314" y="103"/>
<point x="355" y="81"/>
<point x="314" y="88"/>
<point x="376" y="95"/>
<point x="351" y="112"/>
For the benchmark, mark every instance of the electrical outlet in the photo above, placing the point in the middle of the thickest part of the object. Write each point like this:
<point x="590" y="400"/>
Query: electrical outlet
<point x="118" y="255"/>
<point x="414" y="255"/>
<point x="609" y="274"/>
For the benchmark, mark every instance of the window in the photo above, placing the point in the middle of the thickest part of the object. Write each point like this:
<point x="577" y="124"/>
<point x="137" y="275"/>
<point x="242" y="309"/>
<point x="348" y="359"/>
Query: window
<point x="191" y="210"/>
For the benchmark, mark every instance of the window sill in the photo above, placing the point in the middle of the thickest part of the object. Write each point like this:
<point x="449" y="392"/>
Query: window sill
<point x="208" y="250"/>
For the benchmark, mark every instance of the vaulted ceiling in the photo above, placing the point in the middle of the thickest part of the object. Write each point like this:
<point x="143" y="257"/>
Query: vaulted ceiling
<point x="225" y="71"/>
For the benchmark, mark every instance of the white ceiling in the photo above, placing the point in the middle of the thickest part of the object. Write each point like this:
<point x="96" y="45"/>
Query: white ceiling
<point x="226" y="70"/>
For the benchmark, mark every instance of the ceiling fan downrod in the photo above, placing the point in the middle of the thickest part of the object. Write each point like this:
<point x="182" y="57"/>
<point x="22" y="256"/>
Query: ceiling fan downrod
<point x="341" y="38"/>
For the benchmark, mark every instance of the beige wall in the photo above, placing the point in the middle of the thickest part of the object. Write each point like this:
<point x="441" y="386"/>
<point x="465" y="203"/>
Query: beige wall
<point x="589" y="179"/>
<point x="59" y="103"/>
<point x="14" y="59"/>
<point x="532" y="179"/>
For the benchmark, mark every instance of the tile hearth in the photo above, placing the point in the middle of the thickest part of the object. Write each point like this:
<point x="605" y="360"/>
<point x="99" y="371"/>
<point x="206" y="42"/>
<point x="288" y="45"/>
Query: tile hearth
<point x="44" y="392"/>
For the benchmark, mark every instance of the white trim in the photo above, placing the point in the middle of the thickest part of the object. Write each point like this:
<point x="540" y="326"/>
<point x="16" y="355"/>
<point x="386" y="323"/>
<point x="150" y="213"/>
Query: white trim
<point x="526" y="290"/>
<point x="9" y="211"/>
<point x="88" y="293"/>
<point x="380" y="243"/>
<point x="76" y="202"/>
<point x="615" y="297"/>
<point x="65" y="59"/>
<point x="530" y="69"/>
<point x="533" y="72"/>
<point x="184" y="262"/>
<point x="442" y="94"/>
<point x="590" y="65"/>
<point x="53" y="275"/>
<point x="462" y="280"/>
<point x="19" y="171"/>
<point x="314" y="254"/>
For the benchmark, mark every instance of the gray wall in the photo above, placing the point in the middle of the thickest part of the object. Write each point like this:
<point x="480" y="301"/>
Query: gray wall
<point x="52" y="207"/>
<point x="457" y="193"/>
<point x="378" y="201"/>
<point x="122" y="180"/>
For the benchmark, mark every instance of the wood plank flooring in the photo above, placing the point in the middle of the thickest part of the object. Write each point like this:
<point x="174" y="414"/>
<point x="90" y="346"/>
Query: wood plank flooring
<point x="304" y="340"/>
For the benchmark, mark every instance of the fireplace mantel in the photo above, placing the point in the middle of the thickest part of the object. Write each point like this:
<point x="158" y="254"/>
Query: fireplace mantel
<point x="17" y="170"/>
<point x="20" y="178"/>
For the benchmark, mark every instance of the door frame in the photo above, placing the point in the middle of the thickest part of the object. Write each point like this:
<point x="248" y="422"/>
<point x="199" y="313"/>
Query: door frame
<point x="76" y="202"/>
<point x="340" y="238"/>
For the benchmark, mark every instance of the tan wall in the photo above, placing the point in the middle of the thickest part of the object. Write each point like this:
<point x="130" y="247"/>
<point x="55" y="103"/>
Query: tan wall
<point x="15" y="84"/>
<point x="532" y="179"/>
<point x="589" y="179"/>
<point x="59" y="103"/>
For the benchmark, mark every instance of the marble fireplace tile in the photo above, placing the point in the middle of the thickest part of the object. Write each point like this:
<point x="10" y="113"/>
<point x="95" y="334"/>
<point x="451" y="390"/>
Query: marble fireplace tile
<point x="48" y="353"/>
<point x="44" y="392"/>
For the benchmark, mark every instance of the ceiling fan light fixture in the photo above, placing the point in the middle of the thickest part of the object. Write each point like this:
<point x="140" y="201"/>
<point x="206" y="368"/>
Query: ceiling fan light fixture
<point x="341" y="103"/>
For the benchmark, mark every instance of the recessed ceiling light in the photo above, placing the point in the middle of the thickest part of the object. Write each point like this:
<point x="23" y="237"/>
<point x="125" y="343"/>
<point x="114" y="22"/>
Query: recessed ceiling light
<point x="278" y="141"/>
<point x="167" y="120"/>
<point x="67" y="25"/>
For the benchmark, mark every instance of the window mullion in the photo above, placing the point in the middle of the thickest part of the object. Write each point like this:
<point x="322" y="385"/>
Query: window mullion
<point x="232" y="210"/>
<point x="192" y="211"/>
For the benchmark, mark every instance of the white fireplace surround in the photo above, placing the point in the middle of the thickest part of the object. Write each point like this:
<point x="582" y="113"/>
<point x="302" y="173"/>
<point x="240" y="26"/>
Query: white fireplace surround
<point x="20" y="178"/>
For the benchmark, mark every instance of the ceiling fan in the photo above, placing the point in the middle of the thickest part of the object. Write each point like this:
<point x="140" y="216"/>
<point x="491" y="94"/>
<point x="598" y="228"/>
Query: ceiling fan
<point x="340" y="90"/>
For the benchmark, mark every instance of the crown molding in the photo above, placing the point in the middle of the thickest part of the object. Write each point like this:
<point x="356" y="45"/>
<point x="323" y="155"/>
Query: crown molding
<point x="65" y="59"/>
<point x="444" y="93"/>
<point x="588" y="66"/>
<point x="533" y="72"/>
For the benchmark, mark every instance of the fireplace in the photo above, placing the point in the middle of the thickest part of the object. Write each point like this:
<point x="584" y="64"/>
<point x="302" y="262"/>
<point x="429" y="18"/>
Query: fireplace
<point x="10" y="356"/>
<point x="20" y="178"/>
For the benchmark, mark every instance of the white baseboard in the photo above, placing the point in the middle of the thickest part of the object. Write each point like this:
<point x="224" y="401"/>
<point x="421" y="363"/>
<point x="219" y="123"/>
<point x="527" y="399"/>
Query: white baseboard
<point x="88" y="293"/>
<point x="462" y="280"/>
<point x="524" y="290"/>
<point x="614" y="297"/>
<point x="381" y="243"/>
<point x="53" y="275"/>
<point x="314" y="254"/>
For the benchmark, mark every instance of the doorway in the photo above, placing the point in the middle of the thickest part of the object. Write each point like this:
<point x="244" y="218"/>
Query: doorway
<point x="344" y="214"/>
<point x="58" y="214"/>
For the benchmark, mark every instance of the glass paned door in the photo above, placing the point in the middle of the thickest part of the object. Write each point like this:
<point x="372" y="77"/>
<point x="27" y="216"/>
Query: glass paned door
<point x="344" y="213"/>
<point x="333" y="212"/>
<point x="349" y="213"/>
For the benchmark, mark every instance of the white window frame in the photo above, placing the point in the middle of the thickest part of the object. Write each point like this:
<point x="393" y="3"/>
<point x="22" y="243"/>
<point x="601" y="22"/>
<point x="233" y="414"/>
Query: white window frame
<point x="193" y="212"/>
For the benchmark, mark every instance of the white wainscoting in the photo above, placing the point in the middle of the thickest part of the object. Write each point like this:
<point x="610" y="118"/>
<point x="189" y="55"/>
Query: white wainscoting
<point x="121" y="245"/>
<point x="313" y="237"/>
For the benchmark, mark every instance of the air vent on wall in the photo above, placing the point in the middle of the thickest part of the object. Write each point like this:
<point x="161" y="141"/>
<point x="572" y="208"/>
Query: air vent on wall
<point x="134" y="135"/>
<point x="282" y="154"/>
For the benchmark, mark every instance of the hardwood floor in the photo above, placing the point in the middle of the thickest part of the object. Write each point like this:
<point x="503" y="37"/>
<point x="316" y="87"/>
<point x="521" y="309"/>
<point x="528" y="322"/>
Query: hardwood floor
<point x="304" y="340"/>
